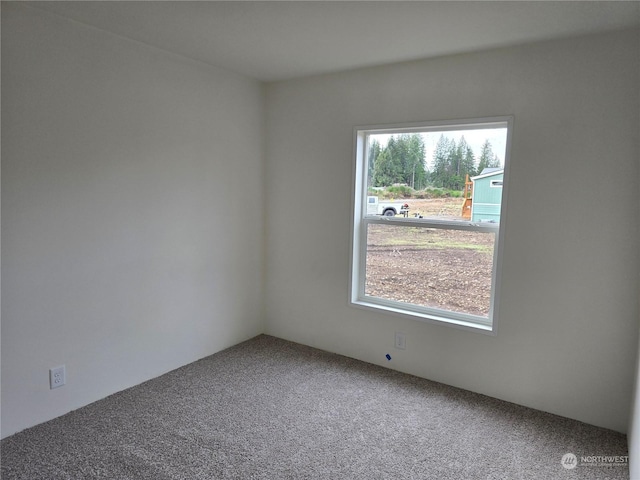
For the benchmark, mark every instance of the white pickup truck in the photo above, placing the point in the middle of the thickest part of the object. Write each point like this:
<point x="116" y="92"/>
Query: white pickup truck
<point x="388" y="209"/>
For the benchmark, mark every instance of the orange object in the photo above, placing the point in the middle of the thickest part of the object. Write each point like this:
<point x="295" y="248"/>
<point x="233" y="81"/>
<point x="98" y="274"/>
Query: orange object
<point x="468" y="198"/>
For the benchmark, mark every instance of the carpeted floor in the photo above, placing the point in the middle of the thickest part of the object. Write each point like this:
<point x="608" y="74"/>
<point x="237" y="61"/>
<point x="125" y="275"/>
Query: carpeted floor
<point x="271" y="409"/>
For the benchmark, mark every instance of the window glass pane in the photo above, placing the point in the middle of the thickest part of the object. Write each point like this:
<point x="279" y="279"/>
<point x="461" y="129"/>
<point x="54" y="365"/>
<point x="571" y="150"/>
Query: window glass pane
<point x="431" y="267"/>
<point x="448" y="174"/>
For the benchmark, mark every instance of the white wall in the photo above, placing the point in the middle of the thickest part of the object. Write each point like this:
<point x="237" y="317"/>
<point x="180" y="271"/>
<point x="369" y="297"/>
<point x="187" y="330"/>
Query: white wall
<point x="633" y="432"/>
<point x="121" y="255"/>
<point x="567" y="335"/>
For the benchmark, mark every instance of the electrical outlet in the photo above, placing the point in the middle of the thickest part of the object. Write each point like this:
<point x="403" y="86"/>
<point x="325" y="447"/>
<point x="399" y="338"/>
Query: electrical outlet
<point x="401" y="341"/>
<point x="57" y="377"/>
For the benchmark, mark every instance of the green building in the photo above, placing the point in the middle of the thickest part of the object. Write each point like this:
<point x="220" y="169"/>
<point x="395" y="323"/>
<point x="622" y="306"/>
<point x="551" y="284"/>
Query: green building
<point x="487" y="195"/>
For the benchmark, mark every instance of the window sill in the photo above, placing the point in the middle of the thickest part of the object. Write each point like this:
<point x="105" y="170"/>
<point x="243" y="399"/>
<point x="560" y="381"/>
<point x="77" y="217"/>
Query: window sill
<point x="425" y="317"/>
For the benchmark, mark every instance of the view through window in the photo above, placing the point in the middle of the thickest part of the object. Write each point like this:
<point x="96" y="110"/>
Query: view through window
<point x="428" y="207"/>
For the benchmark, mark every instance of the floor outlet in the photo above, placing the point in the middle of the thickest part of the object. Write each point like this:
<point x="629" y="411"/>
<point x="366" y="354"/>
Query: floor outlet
<point x="57" y="377"/>
<point x="401" y="341"/>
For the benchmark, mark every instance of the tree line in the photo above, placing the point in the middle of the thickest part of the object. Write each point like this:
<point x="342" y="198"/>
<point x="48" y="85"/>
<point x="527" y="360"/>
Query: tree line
<point x="402" y="161"/>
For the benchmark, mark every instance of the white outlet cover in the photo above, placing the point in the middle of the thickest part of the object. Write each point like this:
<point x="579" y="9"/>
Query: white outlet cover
<point x="57" y="377"/>
<point x="401" y="341"/>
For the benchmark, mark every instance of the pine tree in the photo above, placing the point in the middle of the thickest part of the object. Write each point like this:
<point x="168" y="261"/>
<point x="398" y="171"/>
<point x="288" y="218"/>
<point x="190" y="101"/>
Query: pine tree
<point x="488" y="159"/>
<point x="466" y="162"/>
<point x="416" y="165"/>
<point x="401" y="161"/>
<point x="444" y="162"/>
<point x="385" y="172"/>
<point x="495" y="162"/>
<point x="398" y="152"/>
<point x="374" y="151"/>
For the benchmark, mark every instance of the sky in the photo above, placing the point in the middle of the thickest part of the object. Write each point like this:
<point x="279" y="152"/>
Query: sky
<point x="475" y="138"/>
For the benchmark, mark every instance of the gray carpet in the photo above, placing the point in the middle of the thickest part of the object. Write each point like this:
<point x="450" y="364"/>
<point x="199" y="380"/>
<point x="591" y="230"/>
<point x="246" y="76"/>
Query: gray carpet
<point x="270" y="409"/>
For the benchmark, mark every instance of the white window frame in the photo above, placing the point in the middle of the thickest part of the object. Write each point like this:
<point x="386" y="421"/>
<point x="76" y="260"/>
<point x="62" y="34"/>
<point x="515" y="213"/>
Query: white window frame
<point x="360" y="222"/>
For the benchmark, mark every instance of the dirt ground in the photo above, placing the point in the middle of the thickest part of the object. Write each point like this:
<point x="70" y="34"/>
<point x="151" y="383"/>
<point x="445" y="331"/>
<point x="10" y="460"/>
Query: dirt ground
<point x="447" y="269"/>
<point x="438" y="207"/>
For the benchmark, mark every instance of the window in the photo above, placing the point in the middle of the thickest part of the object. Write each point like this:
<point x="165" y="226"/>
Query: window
<point x="428" y="214"/>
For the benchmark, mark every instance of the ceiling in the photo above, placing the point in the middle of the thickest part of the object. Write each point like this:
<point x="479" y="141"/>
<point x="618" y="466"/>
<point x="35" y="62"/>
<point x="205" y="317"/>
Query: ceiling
<point x="270" y="40"/>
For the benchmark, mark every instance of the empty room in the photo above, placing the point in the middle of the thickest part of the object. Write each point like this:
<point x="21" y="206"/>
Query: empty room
<point x="341" y="239"/>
